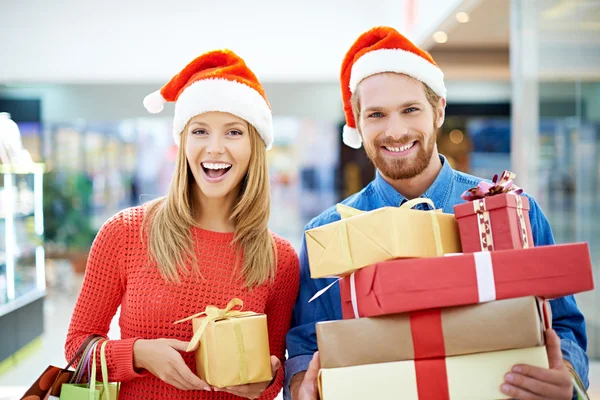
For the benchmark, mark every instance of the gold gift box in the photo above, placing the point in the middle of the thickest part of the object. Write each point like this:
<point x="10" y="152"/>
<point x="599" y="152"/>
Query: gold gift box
<point x="234" y="346"/>
<point x="469" y="377"/>
<point x="361" y="238"/>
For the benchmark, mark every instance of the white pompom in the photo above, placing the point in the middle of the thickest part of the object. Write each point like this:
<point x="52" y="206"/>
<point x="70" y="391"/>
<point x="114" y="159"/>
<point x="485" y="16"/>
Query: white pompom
<point x="351" y="137"/>
<point x="154" y="102"/>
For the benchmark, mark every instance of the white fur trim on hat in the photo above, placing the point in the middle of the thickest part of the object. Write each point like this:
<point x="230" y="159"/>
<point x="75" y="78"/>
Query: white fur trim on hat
<point x="351" y="137"/>
<point x="400" y="61"/>
<point x="154" y="102"/>
<point x="226" y="96"/>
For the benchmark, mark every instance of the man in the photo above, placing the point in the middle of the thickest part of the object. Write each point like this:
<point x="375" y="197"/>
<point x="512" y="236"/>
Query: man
<point x="394" y="101"/>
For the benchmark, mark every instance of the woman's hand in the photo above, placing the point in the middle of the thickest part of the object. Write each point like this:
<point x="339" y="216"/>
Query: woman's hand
<point x="253" y="390"/>
<point x="161" y="357"/>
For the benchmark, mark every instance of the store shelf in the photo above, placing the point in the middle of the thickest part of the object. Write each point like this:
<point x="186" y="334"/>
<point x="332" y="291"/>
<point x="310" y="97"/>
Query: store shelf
<point x="19" y="215"/>
<point x="21" y="322"/>
<point x="21" y="301"/>
<point x="22" y="169"/>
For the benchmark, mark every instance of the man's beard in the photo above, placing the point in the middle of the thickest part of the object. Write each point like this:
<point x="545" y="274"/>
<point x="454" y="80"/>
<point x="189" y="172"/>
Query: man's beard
<point x="402" y="167"/>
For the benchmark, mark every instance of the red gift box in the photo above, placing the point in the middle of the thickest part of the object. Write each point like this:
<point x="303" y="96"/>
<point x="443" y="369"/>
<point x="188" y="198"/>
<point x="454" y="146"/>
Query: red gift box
<point x="494" y="223"/>
<point x="406" y="285"/>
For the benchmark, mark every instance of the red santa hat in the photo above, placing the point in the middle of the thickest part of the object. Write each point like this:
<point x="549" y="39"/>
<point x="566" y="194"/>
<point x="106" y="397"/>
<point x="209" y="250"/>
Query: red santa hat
<point x="215" y="81"/>
<point x="383" y="49"/>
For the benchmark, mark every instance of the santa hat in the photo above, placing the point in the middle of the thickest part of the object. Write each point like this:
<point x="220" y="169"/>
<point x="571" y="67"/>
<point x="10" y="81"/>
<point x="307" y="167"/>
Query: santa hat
<point x="215" y="81"/>
<point x="383" y="49"/>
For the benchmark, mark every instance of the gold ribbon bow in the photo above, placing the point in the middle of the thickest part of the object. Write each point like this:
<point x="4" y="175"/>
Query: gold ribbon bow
<point x="214" y="313"/>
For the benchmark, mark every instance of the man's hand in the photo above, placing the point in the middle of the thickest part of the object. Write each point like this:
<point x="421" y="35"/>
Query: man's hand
<point x="308" y="389"/>
<point x="526" y="382"/>
<point x="253" y="390"/>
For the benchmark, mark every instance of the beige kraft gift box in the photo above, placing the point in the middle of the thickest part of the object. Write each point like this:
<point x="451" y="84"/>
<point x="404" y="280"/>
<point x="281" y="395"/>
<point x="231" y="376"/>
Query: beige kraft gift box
<point x="479" y="328"/>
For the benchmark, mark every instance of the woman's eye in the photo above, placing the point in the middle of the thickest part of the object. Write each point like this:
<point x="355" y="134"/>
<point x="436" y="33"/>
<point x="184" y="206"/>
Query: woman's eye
<point x="235" y="133"/>
<point x="199" y="132"/>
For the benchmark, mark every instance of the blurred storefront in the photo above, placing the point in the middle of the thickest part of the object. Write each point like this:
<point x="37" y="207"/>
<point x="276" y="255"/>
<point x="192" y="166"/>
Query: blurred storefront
<point x="555" y="65"/>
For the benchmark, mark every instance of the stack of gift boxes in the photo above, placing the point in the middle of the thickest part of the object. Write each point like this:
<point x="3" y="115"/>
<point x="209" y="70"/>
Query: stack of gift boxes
<point x="439" y="306"/>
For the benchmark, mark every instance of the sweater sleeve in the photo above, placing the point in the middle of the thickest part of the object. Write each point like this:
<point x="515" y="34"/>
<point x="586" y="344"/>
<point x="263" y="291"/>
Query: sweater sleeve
<point x="99" y="298"/>
<point x="279" y="307"/>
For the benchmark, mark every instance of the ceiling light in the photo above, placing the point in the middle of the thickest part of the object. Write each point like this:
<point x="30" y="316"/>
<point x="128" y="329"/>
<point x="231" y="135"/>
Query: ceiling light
<point x="456" y="136"/>
<point x="440" y="37"/>
<point x="462" y="17"/>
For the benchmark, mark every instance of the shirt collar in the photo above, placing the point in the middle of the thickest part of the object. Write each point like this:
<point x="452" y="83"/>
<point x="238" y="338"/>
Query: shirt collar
<point x="438" y="192"/>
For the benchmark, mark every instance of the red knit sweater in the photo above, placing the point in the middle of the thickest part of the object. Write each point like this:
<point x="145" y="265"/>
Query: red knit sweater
<point x="118" y="274"/>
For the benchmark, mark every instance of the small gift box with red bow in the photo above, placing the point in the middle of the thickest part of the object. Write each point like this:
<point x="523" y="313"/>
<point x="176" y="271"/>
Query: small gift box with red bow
<point x="495" y="217"/>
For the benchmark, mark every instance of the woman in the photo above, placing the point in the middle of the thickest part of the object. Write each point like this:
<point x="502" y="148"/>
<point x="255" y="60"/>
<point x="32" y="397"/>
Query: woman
<point x="203" y="244"/>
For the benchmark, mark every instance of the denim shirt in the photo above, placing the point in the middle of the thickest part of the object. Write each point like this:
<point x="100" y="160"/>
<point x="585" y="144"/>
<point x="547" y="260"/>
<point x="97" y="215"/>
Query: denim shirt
<point x="445" y="193"/>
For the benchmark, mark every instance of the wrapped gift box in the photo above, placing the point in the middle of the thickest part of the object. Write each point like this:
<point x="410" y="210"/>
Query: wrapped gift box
<point x="410" y="285"/>
<point x="494" y="223"/>
<point x="500" y="325"/>
<point x="387" y="233"/>
<point x="218" y="354"/>
<point x="468" y="377"/>
<point x="234" y="346"/>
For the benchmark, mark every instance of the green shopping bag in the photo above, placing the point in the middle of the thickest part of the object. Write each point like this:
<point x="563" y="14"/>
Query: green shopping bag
<point x="94" y="390"/>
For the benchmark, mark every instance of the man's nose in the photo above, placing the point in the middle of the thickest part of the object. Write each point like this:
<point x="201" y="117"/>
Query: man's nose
<point x="396" y="128"/>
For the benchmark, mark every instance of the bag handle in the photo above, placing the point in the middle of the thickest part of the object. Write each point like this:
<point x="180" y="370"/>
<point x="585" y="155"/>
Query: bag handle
<point x="92" y="384"/>
<point x="83" y="362"/>
<point x="104" y="369"/>
<point x="81" y="349"/>
<point x="89" y="340"/>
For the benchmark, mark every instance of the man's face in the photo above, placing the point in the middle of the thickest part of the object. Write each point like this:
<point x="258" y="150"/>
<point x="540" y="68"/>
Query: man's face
<point x="398" y="125"/>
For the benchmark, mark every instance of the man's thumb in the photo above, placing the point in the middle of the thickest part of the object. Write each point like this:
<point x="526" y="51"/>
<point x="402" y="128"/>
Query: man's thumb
<point x="313" y="370"/>
<point x="555" y="358"/>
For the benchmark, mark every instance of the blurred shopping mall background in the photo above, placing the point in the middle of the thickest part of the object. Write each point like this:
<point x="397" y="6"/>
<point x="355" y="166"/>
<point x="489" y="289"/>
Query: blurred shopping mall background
<point x="523" y="80"/>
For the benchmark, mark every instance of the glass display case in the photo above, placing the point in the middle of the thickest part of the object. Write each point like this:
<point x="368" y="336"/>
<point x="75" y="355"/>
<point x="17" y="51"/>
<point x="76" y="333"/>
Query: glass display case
<point x="22" y="270"/>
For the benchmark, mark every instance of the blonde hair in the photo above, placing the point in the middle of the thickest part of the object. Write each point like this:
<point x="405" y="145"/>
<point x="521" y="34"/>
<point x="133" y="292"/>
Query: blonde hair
<point x="168" y="220"/>
<point x="432" y="98"/>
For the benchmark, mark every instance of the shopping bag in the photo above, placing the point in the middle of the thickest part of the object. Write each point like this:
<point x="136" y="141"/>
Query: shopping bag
<point x="93" y="390"/>
<point x="49" y="383"/>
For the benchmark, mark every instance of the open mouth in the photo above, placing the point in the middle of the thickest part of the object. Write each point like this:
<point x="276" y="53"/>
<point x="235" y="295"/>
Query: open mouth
<point x="402" y="150"/>
<point x="215" y="171"/>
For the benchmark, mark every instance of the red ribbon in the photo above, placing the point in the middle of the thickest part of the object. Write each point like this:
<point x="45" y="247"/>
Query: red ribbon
<point x="430" y="363"/>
